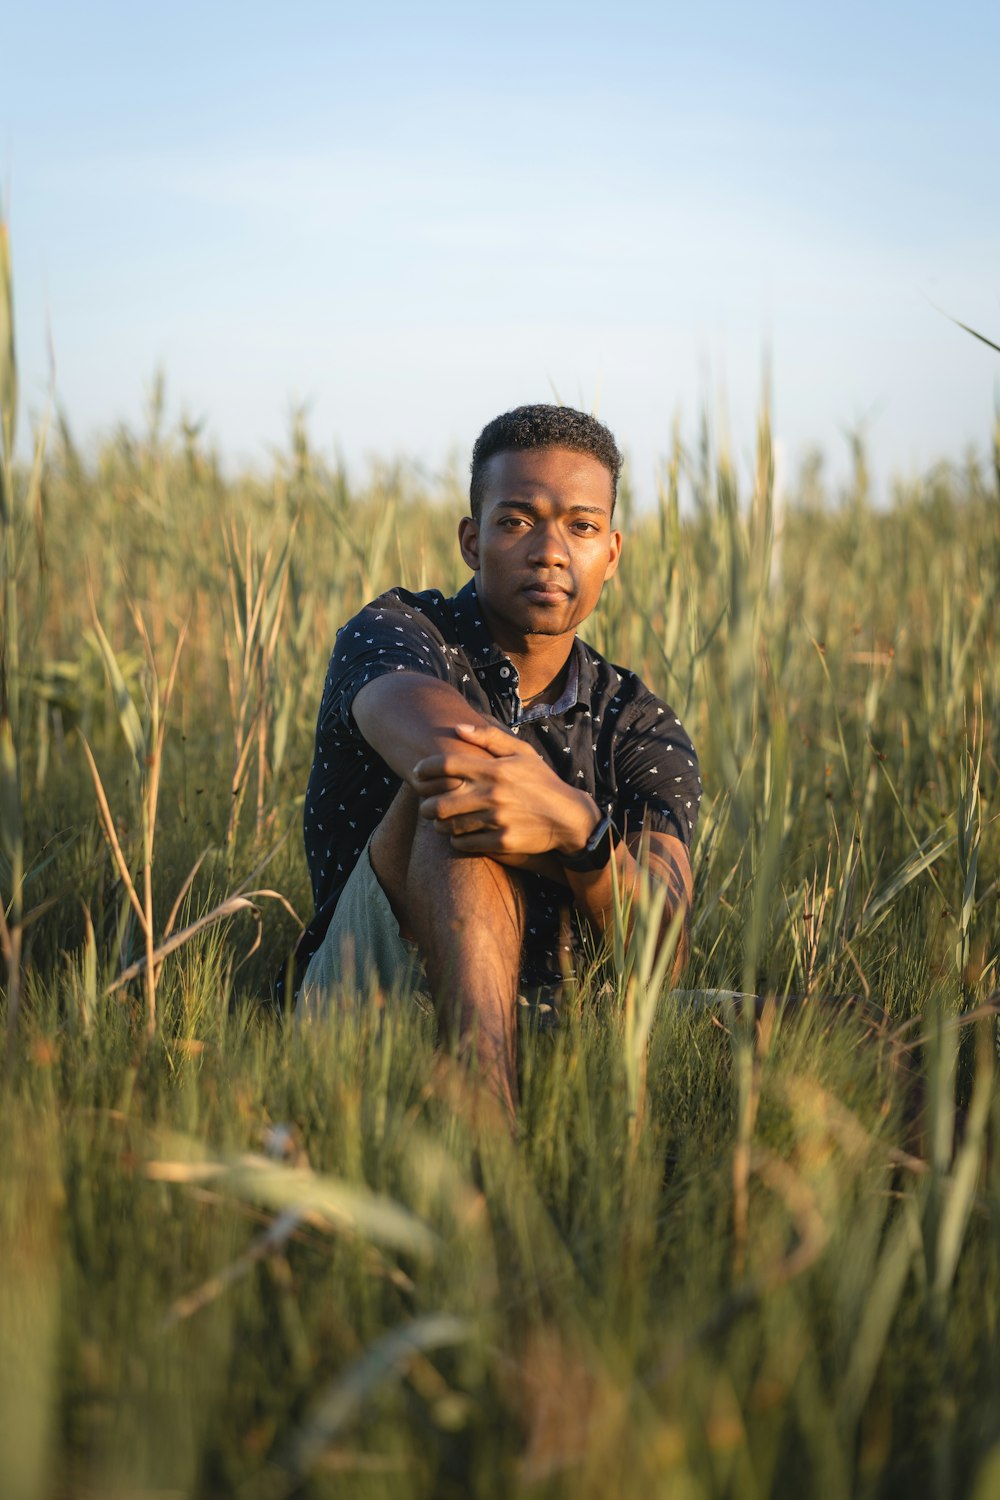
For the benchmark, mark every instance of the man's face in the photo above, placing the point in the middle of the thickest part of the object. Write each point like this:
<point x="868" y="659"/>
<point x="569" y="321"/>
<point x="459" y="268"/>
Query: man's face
<point x="544" y="544"/>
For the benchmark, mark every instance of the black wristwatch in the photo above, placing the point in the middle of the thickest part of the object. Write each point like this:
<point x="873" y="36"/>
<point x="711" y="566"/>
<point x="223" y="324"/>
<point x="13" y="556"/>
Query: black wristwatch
<point x="596" y="851"/>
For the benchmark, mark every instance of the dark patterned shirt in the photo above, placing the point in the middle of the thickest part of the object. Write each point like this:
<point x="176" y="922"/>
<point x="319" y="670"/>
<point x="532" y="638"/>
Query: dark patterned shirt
<point x="608" y="735"/>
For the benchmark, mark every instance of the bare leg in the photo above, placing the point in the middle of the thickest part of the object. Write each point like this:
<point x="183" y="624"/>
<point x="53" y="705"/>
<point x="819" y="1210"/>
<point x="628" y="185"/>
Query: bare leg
<point x="466" y="915"/>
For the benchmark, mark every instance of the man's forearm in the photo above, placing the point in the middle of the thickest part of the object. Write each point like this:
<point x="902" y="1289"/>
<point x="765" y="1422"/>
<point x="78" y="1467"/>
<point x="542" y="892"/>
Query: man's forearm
<point x="665" y="862"/>
<point x="406" y="717"/>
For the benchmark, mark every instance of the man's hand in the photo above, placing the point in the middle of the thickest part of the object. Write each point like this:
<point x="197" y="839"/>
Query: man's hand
<point x="507" y="802"/>
<point x="490" y="794"/>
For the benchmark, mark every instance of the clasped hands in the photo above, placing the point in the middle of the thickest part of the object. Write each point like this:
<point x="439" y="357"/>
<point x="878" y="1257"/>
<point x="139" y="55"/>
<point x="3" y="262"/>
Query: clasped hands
<point x="494" y="795"/>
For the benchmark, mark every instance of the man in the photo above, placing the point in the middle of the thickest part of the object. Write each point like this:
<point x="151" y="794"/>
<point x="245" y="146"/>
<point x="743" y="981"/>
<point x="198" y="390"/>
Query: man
<point x="479" y="771"/>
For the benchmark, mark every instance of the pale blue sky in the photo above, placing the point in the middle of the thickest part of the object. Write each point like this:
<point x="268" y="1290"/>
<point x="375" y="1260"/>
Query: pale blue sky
<point x="410" y="218"/>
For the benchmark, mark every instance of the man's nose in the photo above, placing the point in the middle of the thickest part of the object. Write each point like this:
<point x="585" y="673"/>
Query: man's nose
<point x="548" y="546"/>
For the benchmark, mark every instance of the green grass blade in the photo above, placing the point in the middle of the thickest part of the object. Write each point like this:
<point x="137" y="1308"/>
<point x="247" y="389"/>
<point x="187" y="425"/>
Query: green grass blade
<point x="128" y="714"/>
<point x="8" y="360"/>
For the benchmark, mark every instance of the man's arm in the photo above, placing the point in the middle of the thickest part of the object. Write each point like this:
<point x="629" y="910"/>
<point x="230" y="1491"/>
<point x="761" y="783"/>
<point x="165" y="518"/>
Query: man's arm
<point x="511" y="803"/>
<point x="665" y="858"/>
<point x="412" y="720"/>
<point x="406" y="717"/>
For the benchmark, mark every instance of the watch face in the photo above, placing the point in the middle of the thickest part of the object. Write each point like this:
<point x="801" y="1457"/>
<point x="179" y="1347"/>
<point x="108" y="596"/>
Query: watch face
<point x="599" y="836"/>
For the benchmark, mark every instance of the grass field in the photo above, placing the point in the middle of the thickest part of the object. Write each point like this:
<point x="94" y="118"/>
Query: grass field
<point x="724" y="1258"/>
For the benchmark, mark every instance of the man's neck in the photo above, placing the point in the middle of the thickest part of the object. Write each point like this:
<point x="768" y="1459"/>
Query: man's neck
<point x="542" y="663"/>
<point x="553" y="690"/>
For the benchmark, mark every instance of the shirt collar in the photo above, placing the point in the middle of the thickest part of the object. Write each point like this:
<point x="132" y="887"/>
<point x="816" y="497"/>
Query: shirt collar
<point x="474" y="638"/>
<point x="568" y="698"/>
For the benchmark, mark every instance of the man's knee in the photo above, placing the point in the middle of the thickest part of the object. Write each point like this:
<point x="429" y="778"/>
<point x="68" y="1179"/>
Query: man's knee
<point x="417" y="866"/>
<point x="471" y="870"/>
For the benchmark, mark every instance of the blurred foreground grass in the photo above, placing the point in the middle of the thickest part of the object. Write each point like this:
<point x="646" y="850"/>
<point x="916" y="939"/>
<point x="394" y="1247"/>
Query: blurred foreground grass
<point x="725" y="1258"/>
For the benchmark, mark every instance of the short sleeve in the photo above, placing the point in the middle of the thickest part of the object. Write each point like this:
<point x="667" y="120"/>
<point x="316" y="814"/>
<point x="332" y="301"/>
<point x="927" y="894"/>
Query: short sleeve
<point x="656" y="771"/>
<point x="392" y="634"/>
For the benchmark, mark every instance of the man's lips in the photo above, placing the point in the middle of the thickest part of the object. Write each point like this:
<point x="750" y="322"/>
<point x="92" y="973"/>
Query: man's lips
<point x="546" y="593"/>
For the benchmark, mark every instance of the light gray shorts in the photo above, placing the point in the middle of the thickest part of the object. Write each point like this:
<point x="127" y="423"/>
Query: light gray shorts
<point x="363" y="951"/>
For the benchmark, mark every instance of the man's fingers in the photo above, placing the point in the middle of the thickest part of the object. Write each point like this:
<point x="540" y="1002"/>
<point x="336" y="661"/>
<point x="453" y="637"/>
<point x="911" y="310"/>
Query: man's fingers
<point x="452" y="765"/>
<point x="453" y="805"/>
<point x="482" y="841"/>
<point x="465" y="764"/>
<point x="492" y="737"/>
<point x="437" y="786"/>
<point x="462" y="825"/>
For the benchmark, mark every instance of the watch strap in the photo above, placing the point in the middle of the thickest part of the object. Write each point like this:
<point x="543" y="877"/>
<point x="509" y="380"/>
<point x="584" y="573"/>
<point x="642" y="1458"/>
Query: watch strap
<point x="596" y="851"/>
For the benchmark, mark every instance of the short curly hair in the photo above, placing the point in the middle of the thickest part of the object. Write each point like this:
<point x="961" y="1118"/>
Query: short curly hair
<point x="541" y="426"/>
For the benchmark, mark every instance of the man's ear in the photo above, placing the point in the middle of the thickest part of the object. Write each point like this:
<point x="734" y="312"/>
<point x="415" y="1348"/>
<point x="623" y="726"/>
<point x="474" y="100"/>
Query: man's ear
<point x="616" y="552"/>
<point x="468" y="540"/>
